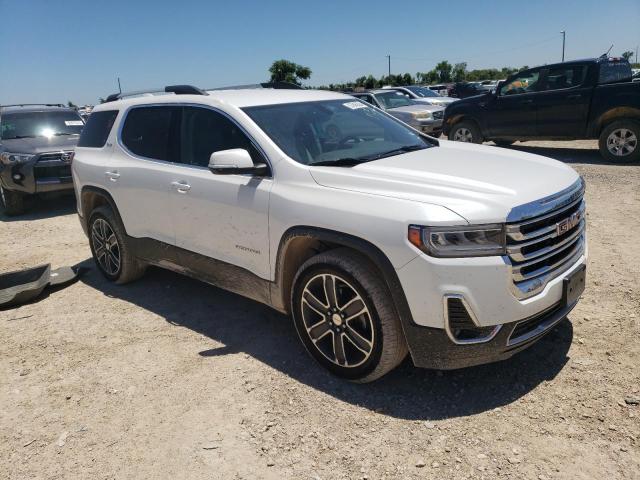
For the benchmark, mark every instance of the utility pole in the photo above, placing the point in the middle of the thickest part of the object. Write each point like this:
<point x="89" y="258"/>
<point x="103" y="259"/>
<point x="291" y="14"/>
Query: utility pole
<point x="636" y="54"/>
<point x="119" y="87"/>
<point x="389" y="59"/>
<point x="563" y="38"/>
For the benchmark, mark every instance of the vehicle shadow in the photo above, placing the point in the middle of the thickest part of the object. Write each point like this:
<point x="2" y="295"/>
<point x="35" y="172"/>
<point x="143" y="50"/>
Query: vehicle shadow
<point x="41" y="207"/>
<point x="565" y="154"/>
<point x="242" y="325"/>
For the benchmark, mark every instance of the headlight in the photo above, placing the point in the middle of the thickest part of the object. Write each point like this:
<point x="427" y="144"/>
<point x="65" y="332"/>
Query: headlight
<point x="8" y="158"/>
<point x="421" y="115"/>
<point x="464" y="241"/>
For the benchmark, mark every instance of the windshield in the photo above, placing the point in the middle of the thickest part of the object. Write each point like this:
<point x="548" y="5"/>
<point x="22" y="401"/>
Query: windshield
<point x="422" y="92"/>
<point x="335" y="132"/>
<point x="39" y="124"/>
<point x="393" y="99"/>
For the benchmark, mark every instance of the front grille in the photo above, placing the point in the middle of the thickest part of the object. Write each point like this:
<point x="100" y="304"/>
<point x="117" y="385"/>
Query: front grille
<point x="53" y="166"/>
<point x="543" y="246"/>
<point x="438" y="114"/>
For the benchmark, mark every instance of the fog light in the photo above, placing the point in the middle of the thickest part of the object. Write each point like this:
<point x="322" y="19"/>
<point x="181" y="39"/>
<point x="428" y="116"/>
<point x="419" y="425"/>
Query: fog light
<point x="18" y="177"/>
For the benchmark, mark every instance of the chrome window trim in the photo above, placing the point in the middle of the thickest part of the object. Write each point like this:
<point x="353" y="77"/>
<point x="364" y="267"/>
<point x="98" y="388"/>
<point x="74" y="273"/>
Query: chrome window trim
<point x="474" y="319"/>
<point x="125" y="114"/>
<point x="547" y="204"/>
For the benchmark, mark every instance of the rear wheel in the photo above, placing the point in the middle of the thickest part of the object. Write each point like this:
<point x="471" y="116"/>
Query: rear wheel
<point x="619" y="142"/>
<point x="12" y="201"/>
<point x="465" y="132"/>
<point x="109" y="248"/>
<point x="345" y="316"/>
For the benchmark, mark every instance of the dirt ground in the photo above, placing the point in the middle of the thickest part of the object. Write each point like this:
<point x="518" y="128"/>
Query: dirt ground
<point x="172" y="378"/>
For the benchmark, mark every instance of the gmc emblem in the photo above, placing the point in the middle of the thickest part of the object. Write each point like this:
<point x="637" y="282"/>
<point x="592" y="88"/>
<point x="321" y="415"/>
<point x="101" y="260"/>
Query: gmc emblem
<point x="568" y="223"/>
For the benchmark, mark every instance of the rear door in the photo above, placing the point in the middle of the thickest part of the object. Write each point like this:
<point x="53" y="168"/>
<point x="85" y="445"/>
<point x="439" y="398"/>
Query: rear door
<point x="512" y="112"/>
<point x="563" y="102"/>
<point x="140" y="171"/>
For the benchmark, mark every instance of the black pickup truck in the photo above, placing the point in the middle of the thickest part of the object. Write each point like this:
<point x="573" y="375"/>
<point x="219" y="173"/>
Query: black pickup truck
<point x="582" y="99"/>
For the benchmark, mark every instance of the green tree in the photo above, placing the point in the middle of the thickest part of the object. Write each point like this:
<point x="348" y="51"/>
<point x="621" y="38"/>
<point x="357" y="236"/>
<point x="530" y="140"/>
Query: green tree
<point x="286" y="71"/>
<point x="627" y="55"/>
<point x="443" y="70"/>
<point x="459" y="72"/>
<point x="70" y="104"/>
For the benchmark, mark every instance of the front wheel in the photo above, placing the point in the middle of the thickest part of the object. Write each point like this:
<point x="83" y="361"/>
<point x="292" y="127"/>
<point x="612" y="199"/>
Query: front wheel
<point x="619" y="142"/>
<point x="345" y="316"/>
<point x="465" y="132"/>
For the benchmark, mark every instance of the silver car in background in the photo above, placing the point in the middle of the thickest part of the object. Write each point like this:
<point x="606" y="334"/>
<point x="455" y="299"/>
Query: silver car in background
<point x="424" y="95"/>
<point x="421" y="116"/>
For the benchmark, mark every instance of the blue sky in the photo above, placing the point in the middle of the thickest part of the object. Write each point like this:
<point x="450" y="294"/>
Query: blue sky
<point x="74" y="50"/>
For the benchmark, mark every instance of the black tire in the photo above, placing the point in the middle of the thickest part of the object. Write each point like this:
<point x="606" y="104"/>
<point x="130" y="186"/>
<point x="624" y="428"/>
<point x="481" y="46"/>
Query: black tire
<point x="629" y="153"/>
<point x="379" y="327"/>
<point x="129" y="268"/>
<point x="503" y="143"/>
<point x="467" y="130"/>
<point x="12" y="201"/>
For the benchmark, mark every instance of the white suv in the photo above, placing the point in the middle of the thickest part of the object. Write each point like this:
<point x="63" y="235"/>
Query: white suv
<point x="378" y="242"/>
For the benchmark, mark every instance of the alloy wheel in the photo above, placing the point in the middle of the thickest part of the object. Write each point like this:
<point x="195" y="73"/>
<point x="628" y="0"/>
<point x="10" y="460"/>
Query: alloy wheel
<point x="337" y="320"/>
<point x="622" y="142"/>
<point x="105" y="246"/>
<point x="463" y="134"/>
<point x="2" y="197"/>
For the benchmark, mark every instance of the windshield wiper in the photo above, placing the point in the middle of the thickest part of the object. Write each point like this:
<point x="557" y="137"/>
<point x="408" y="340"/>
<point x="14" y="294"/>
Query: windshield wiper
<point x="340" y="162"/>
<point x="18" y="137"/>
<point x="398" y="151"/>
<point x="58" y="134"/>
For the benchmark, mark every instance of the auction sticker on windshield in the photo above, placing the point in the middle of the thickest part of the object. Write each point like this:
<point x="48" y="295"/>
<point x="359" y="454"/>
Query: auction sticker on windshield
<point x="354" y="105"/>
<point x="73" y="123"/>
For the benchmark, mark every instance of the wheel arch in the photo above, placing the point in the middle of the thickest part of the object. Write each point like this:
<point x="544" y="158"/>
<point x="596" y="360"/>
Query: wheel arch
<point x="613" y="115"/>
<point x="93" y="197"/>
<point x="465" y="117"/>
<point x="300" y="243"/>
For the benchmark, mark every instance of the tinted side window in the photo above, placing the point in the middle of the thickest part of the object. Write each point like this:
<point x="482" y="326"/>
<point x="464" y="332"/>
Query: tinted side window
<point x="151" y="132"/>
<point x="205" y="131"/>
<point x="525" y="82"/>
<point x="97" y="129"/>
<point x="565" y="77"/>
<point x="614" y="71"/>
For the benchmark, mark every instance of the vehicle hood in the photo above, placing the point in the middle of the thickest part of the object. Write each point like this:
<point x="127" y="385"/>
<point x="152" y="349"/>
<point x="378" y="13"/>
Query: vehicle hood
<point x="480" y="183"/>
<point x="39" y="144"/>
<point x="474" y="100"/>
<point x="411" y="109"/>
<point x="436" y="101"/>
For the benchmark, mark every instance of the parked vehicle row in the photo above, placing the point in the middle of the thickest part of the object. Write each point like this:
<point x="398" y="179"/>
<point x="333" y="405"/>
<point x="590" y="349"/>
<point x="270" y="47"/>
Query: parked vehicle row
<point x="426" y="118"/>
<point x="583" y="99"/>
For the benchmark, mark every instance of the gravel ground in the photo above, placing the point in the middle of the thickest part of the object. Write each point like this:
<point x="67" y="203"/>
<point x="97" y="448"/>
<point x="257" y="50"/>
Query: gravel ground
<point x="172" y="378"/>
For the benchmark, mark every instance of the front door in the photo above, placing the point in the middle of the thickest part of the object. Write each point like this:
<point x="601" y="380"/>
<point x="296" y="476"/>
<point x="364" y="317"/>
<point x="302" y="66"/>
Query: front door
<point x="223" y="217"/>
<point x="512" y="112"/>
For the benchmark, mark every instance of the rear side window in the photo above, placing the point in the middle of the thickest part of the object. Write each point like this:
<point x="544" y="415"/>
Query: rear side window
<point x="562" y="77"/>
<point x="97" y="129"/>
<point x="153" y="132"/>
<point x="612" y="71"/>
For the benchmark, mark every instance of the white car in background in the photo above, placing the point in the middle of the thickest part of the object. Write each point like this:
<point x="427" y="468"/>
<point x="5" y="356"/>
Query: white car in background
<point x="383" y="242"/>
<point x="424" y="95"/>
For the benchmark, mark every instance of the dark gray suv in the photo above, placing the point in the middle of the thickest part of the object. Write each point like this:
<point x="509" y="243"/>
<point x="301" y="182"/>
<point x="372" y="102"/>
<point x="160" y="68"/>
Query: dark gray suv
<point x="36" y="149"/>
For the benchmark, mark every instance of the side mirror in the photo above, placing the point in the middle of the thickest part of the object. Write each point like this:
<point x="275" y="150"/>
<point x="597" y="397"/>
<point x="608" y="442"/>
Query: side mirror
<point x="233" y="162"/>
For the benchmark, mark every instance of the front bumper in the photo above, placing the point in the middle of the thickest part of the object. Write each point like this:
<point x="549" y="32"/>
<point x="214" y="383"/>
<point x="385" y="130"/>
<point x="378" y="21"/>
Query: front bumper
<point x="430" y="126"/>
<point x="432" y="348"/>
<point x="37" y="176"/>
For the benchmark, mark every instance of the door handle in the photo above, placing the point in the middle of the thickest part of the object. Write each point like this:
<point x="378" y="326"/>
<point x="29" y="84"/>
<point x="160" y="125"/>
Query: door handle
<point x="113" y="176"/>
<point x="575" y="96"/>
<point x="526" y="102"/>
<point x="181" y="187"/>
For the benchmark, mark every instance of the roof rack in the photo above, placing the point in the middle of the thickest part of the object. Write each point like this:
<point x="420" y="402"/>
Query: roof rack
<point x="34" y="105"/>
<point x="175" y="89"/>
<point x="274" y="85"/>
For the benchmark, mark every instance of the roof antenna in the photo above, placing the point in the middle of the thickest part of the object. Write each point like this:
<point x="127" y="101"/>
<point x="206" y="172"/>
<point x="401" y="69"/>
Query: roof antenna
<point x="606" y="54"/>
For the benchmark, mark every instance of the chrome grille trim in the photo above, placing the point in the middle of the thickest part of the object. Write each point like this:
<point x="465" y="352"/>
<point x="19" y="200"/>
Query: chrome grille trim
<point x="538" y="250"/>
